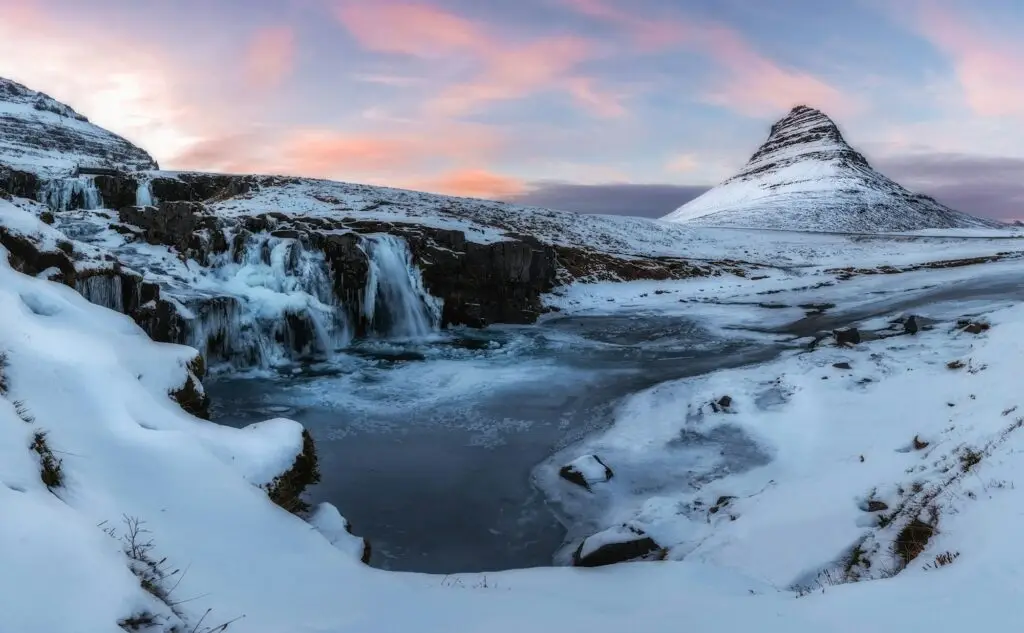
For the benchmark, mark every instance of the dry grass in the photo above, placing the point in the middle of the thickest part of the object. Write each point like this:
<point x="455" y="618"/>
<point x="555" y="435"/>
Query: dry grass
<point x="50" y="468"/>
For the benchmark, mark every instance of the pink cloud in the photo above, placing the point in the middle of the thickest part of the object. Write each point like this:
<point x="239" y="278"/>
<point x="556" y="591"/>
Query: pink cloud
<point x="270" y="57"/>
<point x="474" y="183"/>
<point x="392" y="159"/>
<point x="751" y="84"/>
<point x="989" y="65"/>
<point x="505" y="70"/>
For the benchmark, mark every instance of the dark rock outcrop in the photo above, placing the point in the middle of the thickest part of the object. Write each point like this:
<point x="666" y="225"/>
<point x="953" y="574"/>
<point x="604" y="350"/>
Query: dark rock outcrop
<point x="172" y="223"/>
<point x="19" y="183"/>
<point x="117" y="191"/>
<point x="287" y="488"/>
<point x="26" y="257"/>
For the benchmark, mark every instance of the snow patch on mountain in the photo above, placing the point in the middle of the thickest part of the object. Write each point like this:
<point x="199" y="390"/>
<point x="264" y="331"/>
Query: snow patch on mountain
<point x="41" y="135"/>
<point x="806" y="177"/>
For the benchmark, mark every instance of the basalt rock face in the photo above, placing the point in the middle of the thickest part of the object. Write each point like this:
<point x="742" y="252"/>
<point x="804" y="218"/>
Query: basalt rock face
<point x="22" y="184"/>
<point x="806" y="177"/>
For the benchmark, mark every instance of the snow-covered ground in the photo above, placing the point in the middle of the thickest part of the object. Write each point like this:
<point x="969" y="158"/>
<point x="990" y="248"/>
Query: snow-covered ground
<point x="918" y="434"/>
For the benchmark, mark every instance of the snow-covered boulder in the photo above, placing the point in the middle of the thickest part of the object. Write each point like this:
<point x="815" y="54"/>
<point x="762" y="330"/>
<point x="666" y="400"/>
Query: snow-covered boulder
<point x="338" y="531"/>
<point x="586" y="471"/>
<point x="617" y="544"/>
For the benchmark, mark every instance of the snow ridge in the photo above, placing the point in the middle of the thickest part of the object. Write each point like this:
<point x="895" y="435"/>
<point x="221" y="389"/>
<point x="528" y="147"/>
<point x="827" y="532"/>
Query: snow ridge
<point x="41" y="135"/>
<point x="806" y="177"/>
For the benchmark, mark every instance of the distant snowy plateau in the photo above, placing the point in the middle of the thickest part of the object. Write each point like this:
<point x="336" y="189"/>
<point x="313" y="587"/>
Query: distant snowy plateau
<point x="874" y="484"/>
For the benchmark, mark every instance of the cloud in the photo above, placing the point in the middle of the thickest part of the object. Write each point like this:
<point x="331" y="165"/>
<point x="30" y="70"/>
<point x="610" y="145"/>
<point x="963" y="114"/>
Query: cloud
<point x="123" y="84"/>
<point x="683" y="163"/>
<point x="476" y="183"/>
<point x="397" y="159"/>
<point x="750" y="83"/>
<point x="652" y="201"/>
<point x="270" y="57"/>
<point x="989" y="63"/>
<point x="980" y="185"/>
<point x="501" y="69"/>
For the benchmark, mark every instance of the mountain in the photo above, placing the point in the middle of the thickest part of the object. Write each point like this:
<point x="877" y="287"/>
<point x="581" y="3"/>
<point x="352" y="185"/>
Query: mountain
<point x="43" y="136"/>
<point x="806" y="177"/>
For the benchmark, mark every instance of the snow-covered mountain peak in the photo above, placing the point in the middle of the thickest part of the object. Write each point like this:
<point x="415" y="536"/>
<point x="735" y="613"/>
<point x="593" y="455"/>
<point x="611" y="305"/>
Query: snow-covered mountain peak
<point x="806" y="177"/>
<point x="803" y="134"/>
<point x="41" y="135"/>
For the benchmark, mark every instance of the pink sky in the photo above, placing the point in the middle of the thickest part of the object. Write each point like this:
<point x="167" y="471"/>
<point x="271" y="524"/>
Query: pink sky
<point x="490" y="99"/>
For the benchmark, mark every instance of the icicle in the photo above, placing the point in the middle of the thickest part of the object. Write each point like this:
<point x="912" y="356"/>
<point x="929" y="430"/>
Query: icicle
<point x="103" y="290"/>
<point x="66" y="194"/>
<point x="395" y="303"/>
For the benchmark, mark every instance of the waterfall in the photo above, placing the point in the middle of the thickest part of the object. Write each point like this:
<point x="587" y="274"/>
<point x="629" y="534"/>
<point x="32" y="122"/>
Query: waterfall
<point x="65" y="194"/>
<point x="282" y="306"/>
<point x="103" y="290"/>
<point x="144" y="194"/>
<point x="396" y="304"/>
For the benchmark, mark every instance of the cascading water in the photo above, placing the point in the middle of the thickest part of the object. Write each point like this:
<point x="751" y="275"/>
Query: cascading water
<point x="144" y="194"/>
<point x="281" y="306"/>
<point x="65" y="194"/>
<point x="396" y="305"/>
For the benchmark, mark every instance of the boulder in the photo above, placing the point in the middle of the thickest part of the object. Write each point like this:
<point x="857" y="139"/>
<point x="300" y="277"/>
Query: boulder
<point x="910" y="326"/>
<point x="849" y="336"/>
<point x="586" y="471"/>
<point x="615" y="545"/>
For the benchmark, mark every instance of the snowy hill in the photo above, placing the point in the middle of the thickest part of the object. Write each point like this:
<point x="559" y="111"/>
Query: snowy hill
<point x="41" y="135"/>
<point x="806" y="177"/>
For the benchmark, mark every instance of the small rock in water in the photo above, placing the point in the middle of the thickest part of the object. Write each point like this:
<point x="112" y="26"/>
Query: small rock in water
<point x="910" y="326"/>
<point x="842" y="365"/>
<point x="586" y="471"/>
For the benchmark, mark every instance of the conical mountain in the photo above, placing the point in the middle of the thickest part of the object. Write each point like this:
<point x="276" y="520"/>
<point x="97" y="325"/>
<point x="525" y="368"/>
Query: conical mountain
<point x="806" y="177"/>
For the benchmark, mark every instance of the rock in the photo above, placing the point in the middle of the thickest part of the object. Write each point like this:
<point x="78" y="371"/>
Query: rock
<point x="614" y="545"/>
<point x="117" y="191"/>
<point x="326" y="519"/>
<point x="26" y="257"/>
<point x="910" y="326"/>
<point x="842" y="365"/>
<point x="720" y="503"/>
<point x="172" y="223"/>
<point x="973" y="327"/>
<point x="46" y="217"/>
<point x="21" y="184"/>
<point x="586" y="471"/>
<point x="875" y="505"/>
<point x="192" y="398"/>
<point x="849" y="336"/>
<point x="287" y="488"/>
<point x="723" y="404"/>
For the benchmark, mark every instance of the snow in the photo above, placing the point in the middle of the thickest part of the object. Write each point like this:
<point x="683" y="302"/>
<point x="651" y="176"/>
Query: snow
<point x="98" y="386"/>
<point x="43" y="136"/>
<point x="806" y="177"/>
<point x="590" y="467"/>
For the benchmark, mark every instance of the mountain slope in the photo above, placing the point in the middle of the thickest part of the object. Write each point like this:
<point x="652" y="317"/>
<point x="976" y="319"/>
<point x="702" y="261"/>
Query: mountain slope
<point x="39" y="134"/>
<point x="806" y="177"/>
